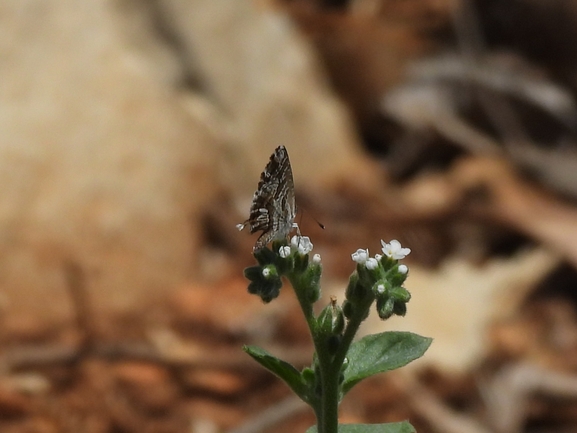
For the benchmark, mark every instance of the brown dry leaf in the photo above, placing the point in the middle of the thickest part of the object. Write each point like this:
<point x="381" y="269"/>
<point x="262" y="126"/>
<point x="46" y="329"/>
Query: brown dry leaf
<point x="514" y="201"/>
<point x="148" y="386"/>
<point x="226" y="308"/>
<point x="220" y="382"/>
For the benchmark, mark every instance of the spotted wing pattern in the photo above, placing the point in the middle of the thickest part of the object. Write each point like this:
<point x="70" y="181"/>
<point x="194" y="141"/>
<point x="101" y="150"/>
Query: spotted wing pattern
<point x="273" y="206"/>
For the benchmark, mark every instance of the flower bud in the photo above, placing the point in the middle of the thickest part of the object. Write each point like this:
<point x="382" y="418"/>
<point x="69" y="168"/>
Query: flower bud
<point x="331" y="321"/>
<point x="381" y="287"/>
<point x="311" y="279"/>
<point x="348" y="309"/>
<point x="269" y="272"/>
<point x="353" y="281"/>
<point x="264" y="281"/>
<point x="357" y="290"/>
<point x="397" y="278"/>
<point x="266" y="289"/>
<point x="308" y="375"/>
<point x="385" y="307"/>
<point x="369" y="274"/>
<point x="400" y="294"/>
<point x="264" y="256"/>
<point x="400" y="309"/>
<point x="253" y="273"/>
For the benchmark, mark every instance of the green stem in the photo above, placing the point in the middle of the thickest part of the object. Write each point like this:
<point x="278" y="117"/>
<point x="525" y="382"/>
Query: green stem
<point x="350" y="332"/>
<point x="304" y="302"/>
<point x="329" y="421"/>
<point x="326" y="409"/>
<point x="330" y="397"/>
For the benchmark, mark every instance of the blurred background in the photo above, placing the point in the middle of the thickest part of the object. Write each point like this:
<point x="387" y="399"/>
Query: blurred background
<point x="133" y="134"/>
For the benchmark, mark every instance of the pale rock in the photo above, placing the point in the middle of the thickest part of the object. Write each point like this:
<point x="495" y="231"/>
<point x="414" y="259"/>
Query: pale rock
<point x="267" y="79"/>
<point x="122" y="122"/>
<point x="99" y="164"/>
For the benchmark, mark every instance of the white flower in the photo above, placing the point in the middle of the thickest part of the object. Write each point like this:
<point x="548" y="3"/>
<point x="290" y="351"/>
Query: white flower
<point x="394" y="250"/>
<point x="316" y="259"/>
<point x="305" y="245"/>
<point x="403" y="269"/>
<point x="302" y="244"/>
<point x="372" y="263"/>
<point x="295" y="242"/>
<point x="381" y="288"/>
<point x="378" y="256"/>
<point x="284" y="252"/>
<point x="360" y="256"/>
<point x="265" y="272"/>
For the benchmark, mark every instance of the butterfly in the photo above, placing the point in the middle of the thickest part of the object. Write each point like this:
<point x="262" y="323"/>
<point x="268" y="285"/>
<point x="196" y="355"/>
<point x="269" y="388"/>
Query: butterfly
<point x="273" y="208"/>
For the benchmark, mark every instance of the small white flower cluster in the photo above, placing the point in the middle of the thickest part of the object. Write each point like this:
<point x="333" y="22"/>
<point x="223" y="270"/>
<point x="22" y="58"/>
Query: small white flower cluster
<point x="393" y="250"/>
<point x="302" y="244"/>
<point x="362" y="258"/>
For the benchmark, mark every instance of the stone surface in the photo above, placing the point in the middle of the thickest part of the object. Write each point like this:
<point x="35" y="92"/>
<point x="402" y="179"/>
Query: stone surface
<point x="101" y="165"/>
<point x="122" y="120"/>
<point x="263" y="73"/>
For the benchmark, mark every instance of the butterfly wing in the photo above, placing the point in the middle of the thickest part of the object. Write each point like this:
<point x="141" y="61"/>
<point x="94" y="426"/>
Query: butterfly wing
<point x="273" y="206"/>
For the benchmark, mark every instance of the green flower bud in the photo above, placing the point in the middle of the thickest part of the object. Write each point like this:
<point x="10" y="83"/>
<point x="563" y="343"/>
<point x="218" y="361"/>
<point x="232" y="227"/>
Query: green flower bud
<point x="330" y="326"/>
<point x="358" y="289"/>
<point x="264" y="256"/>
<point x="270" y="272"/>
<point x="385" y="307"/>
<point x="267" y="289"/>
<point x="308" y="375"/>
<point x="400" y="294"/>
<point x="348" y="309"/>
<point x="353" y="282"/>
<point x="367" y="277"/>
<point x="331" y="321"/>
<point x="381" y="288"/>
<point x="400" y="309"/>
<point x="311" y="279"/>
<point x="338" y="321"/>
<point x="253" y="273"/>
<point x="324" y="321"/>
<point x="396" y="278"/>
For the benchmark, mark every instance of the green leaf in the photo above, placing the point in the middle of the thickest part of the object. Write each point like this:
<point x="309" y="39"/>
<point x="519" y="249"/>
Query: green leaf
<point x="393" y="427"/>
<point x="282" y="369"/>
<point x="382" y="352"/>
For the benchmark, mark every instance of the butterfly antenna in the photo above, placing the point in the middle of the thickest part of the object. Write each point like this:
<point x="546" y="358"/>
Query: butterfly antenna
<point x="320" y="224"/>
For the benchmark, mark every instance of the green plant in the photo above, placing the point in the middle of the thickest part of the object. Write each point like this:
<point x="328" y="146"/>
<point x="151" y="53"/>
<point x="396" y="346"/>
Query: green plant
<point x="338" y="363"/>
